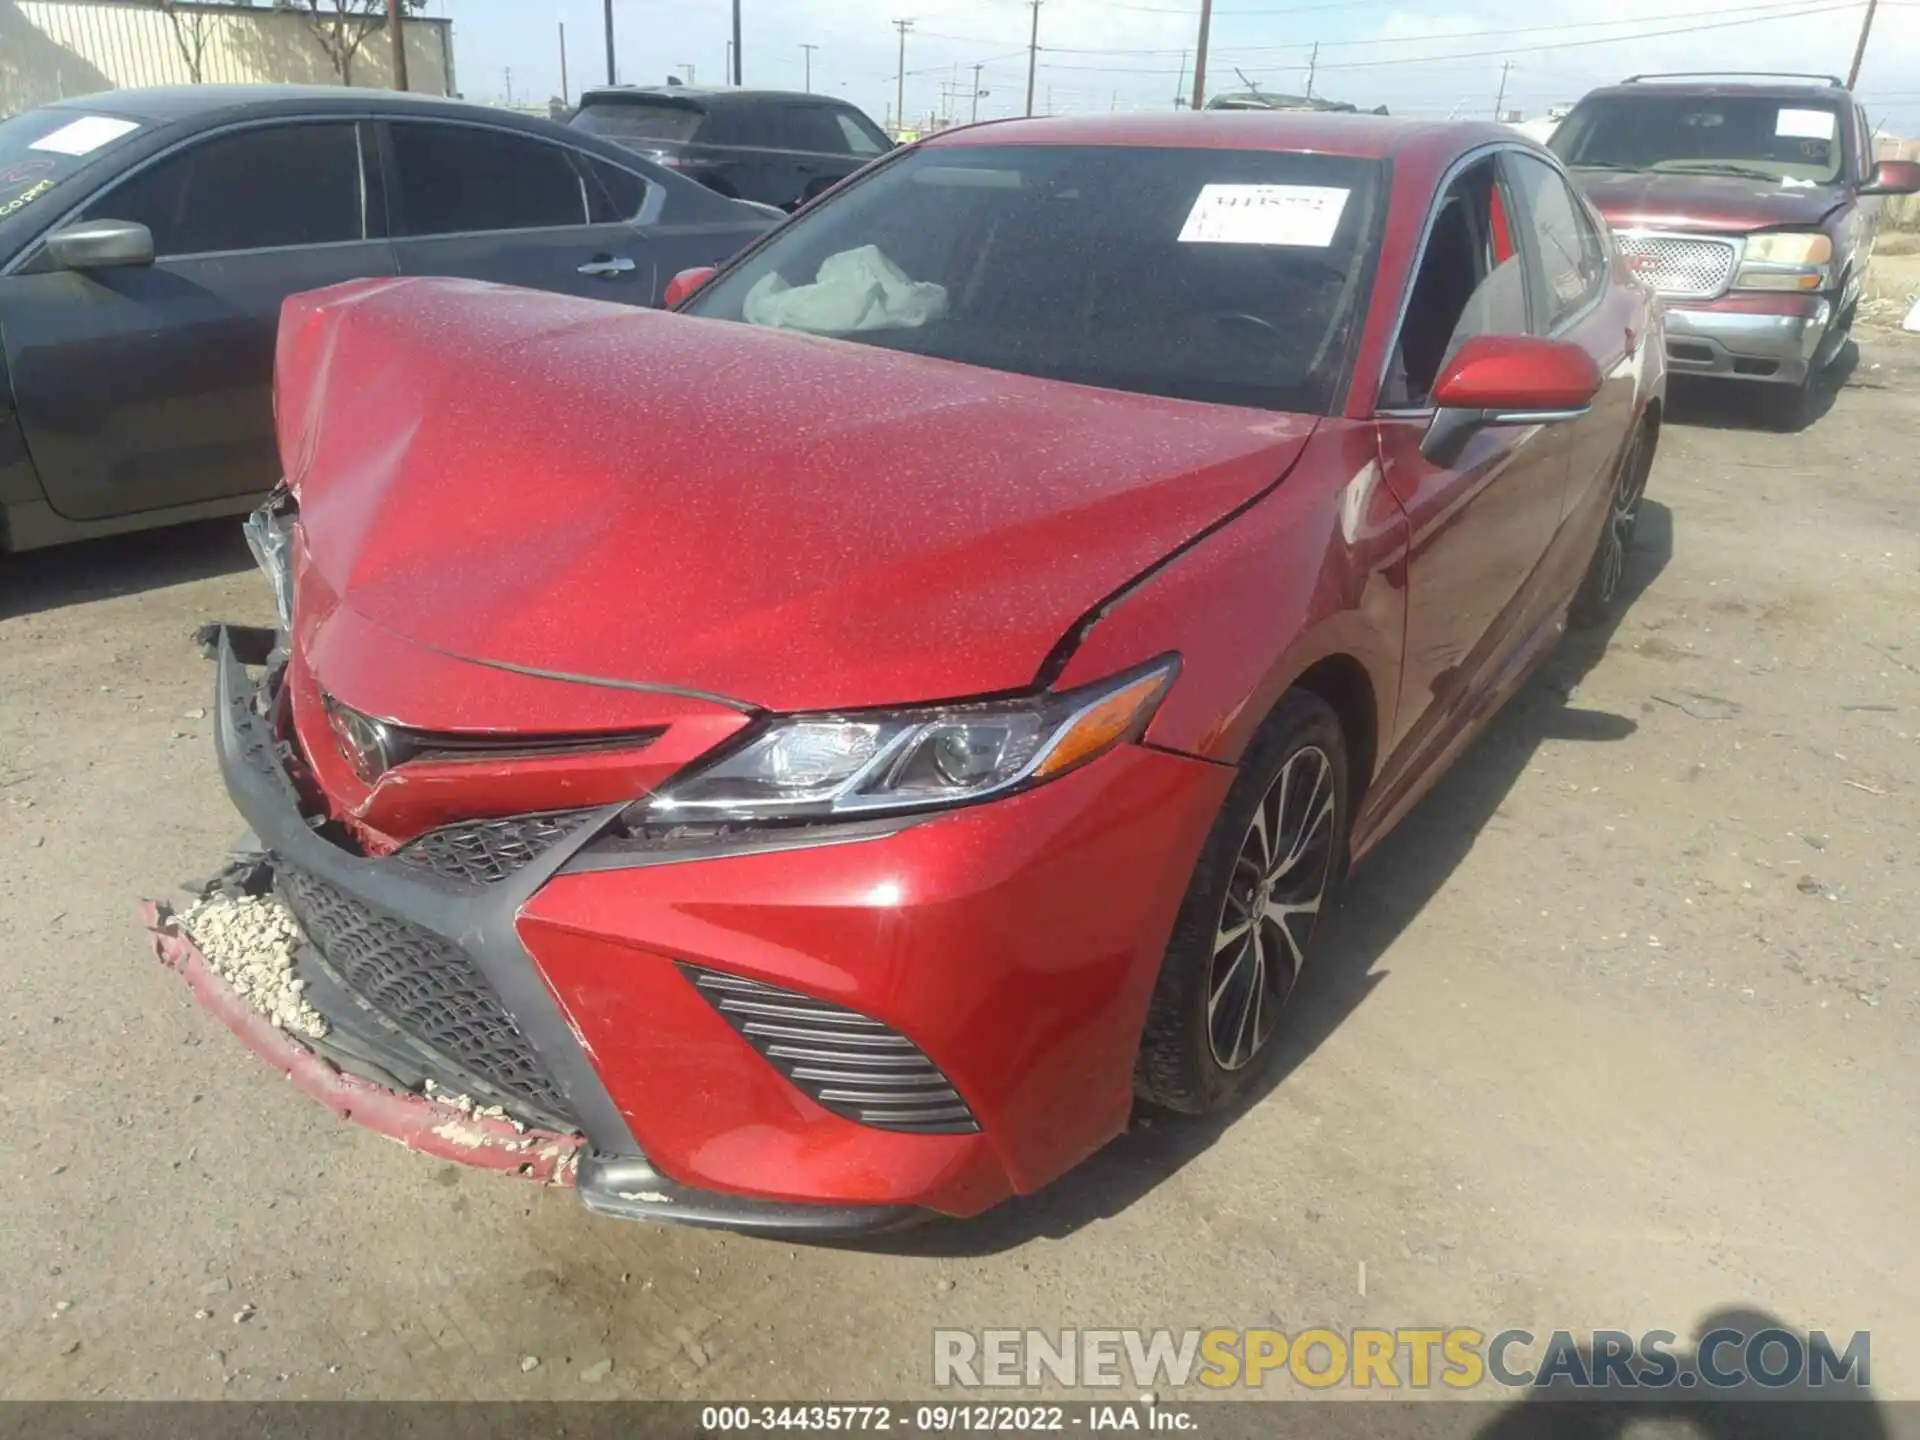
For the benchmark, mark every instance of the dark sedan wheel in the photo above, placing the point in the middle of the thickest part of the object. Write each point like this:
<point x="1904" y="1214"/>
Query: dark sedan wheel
<point x="1268" y="871"/>
<point x="1594" y="602"/>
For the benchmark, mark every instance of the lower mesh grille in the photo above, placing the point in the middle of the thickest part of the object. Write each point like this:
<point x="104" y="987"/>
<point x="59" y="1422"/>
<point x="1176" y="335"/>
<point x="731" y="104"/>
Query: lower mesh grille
<point x="485" y="852"/>
<point x="427" y="988"/>
<point x="843" y="1061"/>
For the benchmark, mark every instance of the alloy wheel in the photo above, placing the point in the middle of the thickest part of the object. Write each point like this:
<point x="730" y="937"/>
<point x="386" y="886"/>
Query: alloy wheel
<point x="1273" y="899"/>
<point x="1623" y="513"/>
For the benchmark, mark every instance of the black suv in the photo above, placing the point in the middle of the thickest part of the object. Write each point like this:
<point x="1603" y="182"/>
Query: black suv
<point x="771" y="146"/>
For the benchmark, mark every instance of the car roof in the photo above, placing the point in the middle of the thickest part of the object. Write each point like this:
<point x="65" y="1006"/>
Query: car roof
<point x="707" y="98"/>
<point x="175" y="104"/>
<point x="1377" y="137"/>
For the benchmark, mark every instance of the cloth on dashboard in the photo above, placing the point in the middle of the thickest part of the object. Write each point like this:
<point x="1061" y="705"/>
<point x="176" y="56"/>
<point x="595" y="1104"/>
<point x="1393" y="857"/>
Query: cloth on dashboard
<point x="855" y="290"/>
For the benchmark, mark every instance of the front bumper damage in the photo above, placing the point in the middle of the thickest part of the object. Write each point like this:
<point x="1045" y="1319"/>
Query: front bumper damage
<point x="565" y="1128"/>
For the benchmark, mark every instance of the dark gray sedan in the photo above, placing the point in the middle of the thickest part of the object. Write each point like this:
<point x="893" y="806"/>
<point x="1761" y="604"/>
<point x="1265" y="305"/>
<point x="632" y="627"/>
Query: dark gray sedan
<point x="148" y="237"/>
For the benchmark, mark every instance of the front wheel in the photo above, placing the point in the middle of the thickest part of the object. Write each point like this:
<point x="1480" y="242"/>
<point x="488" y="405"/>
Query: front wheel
<point x="1269" y="870"/>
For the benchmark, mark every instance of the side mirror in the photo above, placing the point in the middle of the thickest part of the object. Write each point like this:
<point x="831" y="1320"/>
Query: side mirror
<point x="1893" y="177"/>
<point x="682" y="286"/>
<point x="1506" y="380"/>
<point x="101" y="245"/>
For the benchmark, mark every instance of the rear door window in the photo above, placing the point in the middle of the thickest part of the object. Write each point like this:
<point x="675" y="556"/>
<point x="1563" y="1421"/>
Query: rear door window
<point x="259" y="189"/>
<point x="747" y="126"/>
<point x="458" y="179"/>
<point x="812" y="128"/>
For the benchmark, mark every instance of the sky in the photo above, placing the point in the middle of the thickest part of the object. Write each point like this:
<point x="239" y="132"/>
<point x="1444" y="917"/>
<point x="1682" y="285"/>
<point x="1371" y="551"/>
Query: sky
<point x="1442" y="57"/>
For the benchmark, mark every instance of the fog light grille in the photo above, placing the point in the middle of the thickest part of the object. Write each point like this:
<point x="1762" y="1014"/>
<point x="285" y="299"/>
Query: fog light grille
<point x="843" y="1061"/>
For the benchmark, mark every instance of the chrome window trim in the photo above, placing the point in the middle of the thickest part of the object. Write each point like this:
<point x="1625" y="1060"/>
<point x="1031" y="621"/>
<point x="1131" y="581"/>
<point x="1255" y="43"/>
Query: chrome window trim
<point x="34" y="247"/>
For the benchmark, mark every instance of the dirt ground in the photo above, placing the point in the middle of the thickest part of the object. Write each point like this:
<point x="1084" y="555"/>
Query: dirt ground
<point x="1616" y="1031"/>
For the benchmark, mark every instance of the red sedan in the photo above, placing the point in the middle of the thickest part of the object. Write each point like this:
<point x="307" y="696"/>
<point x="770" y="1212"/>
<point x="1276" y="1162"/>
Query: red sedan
<point x="835" y="746"/>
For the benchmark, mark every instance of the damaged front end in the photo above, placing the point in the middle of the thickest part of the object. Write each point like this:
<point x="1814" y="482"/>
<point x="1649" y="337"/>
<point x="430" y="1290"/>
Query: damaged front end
<point x="406" y="1000"/>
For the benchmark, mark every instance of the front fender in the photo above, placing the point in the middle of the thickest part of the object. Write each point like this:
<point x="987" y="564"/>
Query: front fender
<point x="1315" y="570"/>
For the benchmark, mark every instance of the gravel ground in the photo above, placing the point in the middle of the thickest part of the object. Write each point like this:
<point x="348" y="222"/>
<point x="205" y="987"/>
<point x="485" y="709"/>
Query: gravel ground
<point x="1615" y="1031"/>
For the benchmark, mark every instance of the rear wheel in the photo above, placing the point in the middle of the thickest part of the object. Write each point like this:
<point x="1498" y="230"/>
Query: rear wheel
<point x="1269" y="870"/>
<point x="1593" y="603"/>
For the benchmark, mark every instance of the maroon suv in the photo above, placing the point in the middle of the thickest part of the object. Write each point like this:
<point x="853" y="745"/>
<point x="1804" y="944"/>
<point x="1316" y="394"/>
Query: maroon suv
<point x="1749" y="206"/>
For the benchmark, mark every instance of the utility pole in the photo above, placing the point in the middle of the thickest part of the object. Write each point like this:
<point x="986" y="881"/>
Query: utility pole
<point x="1313" y="64"/>
<point x="612" y="78"/>
<point x="509" y="80"/>
<point x="900" y="80"/>
<point x="1200" y="57"/>
<point x="1500" y="100"/>
<point x="1860" y="50"/>
<point x="736" y="42"/>
<point x="566" y="96"/>
<point x="1180" y="85"/>
<point x="1033" y="53"/>
<point x="809" y="49"/>
<point x="399" y="38"/>
<point x="977" y="93"/>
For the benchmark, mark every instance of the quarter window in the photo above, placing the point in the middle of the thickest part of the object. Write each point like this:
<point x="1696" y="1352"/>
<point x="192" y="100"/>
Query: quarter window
<point x="862" y="139"/>
<point x="256" y="189"/>
<point x="1573" y="256"/>
<point x="456" y="179"/>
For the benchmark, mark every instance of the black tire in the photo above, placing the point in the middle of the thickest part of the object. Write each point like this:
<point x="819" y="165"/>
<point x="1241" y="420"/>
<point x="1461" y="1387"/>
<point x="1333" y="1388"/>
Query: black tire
<point x="1181" y="1065"/>
<point x="1789" y="409"/>
<point x="1599" y="592"/>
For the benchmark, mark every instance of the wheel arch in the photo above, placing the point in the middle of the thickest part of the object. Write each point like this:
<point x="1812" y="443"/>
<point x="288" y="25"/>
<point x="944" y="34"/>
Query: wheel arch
<point x="1346" y="686"/>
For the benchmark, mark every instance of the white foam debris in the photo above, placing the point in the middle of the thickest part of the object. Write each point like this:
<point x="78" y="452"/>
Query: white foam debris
<point x="467" y="1105"/>
<point x="250" y="941"/>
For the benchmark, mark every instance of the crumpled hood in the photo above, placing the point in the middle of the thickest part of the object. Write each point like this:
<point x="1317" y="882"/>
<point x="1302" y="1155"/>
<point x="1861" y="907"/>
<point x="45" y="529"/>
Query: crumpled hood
<point x="1724" y="204"/>
<point x="791" y="522"/>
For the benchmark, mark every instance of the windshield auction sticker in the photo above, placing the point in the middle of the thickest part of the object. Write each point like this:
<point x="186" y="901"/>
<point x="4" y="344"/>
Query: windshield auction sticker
<point x="1805" y="124"/>
<point x="85" y="135"/>
<point x="1265" y="215"/>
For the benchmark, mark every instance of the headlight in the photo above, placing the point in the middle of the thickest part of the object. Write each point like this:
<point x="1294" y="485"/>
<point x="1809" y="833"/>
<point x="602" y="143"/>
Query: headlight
<point x="270" y="537"/>
<point x="1785" y="260"/>
<point x="806" y="767"/>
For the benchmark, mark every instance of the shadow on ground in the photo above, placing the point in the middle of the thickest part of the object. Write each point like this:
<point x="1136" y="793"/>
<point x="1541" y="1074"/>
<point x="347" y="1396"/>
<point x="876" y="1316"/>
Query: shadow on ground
<point x="1403" y="873"/>
<point x="1596" y="1398"/>
<point x="122" y="565"/>
<point x="1752" y="405"/>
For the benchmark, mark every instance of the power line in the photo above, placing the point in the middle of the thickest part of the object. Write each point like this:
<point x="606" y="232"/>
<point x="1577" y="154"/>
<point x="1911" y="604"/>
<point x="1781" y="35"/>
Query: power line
<point x="1823" y="9"/>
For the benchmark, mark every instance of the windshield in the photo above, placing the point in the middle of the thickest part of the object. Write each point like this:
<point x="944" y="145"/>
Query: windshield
<point x="625" y="120"/>
<point x="1237" y="277"/>
<point x="1744" y="135"/>
<point x="43" y="149"/>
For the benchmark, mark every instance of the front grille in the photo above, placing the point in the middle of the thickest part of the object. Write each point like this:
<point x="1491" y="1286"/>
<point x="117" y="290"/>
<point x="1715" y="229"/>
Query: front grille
<point x="485" y="852"/>
<point x="843" y="1061"/>
<point x="1684" y="266"/>
<point x="427" y="988"/>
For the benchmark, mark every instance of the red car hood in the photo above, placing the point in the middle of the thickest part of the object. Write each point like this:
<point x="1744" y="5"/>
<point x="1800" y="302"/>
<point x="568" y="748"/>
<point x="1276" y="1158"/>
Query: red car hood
<point x="791" y="522"/>
<point x="1725" y="204"/>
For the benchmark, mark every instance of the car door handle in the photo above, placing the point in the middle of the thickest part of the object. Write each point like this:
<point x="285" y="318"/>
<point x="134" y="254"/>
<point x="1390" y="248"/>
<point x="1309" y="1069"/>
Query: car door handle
<point x="607" y="265"/>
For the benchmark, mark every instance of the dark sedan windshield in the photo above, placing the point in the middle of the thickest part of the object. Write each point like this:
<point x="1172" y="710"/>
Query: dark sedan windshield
<point x="1740" y="135"/>
<point x="1237" y="277"/>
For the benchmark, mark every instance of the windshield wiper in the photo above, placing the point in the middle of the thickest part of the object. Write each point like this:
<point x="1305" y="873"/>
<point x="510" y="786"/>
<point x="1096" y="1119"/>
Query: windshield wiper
<point x="1602" y="165"/>
<point x="1715" y="167"/>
